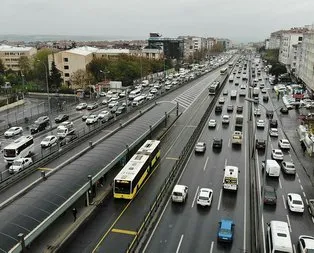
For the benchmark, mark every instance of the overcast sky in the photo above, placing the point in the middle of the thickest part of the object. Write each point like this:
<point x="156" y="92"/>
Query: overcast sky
<point x="239" y="20"/>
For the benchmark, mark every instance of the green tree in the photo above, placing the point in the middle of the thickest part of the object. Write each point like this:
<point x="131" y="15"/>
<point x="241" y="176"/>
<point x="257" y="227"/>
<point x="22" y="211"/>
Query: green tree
<point x="2" y="80"/>
<point x="277" y="69"/>
<point x="55" y="79"/>
<point x="217" y="48"/>
<point x="80" y="79"/>
<point x="40" y="63"/>
<point x="25" y="66"/>
<point x="2" y="68"/>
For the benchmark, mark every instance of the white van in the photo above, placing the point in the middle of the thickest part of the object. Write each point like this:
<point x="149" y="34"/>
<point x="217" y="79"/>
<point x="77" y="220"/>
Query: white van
<point x="138" y="100"/>
<point x="134" y="93"/>
<point x="279" y="239"/>
<point x="272" y="168"/>
<point x="179" y="193"/>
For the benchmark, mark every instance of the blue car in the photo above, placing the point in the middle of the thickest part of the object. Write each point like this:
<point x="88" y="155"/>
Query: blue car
<point x="225" y="230"/>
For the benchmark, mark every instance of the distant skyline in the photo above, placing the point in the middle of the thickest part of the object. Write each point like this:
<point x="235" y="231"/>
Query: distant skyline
<point x="240" y="21"/>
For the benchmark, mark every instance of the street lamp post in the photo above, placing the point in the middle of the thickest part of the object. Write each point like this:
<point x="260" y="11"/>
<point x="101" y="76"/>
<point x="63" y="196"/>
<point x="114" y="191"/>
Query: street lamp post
<point x="47" y="86"/>
<point x="105" y="72"/>
<point x="269" y="116"/>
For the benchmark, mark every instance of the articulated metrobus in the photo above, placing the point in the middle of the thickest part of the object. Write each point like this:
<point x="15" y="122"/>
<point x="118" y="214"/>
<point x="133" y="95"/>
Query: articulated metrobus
<point x="132" y="176"/>
<point x="21" y="147"/>
<point x="223" y="71"/>
<point x="213" y="88"/>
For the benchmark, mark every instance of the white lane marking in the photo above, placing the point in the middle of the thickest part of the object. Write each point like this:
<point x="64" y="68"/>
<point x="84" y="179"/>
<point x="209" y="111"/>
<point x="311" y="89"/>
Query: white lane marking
<point x="244" y="213"/>
<point x="205" y="163"/>
<point x="313" y="219"/>
<point x="218" y="127"/>
<point x="212" y="247"/>
<point x="280" y="185"/>
<point x="195" y="196"/>
<point x="229" y="143"/>
<point x="219" y="200"/>
<point x="294" y="248"/>
<point x="289" y="223"/>
<point x="226" y="160"/>
<point x="299" y="180"/>
<point x="301" y="186"/>
<point x="304" y="195"/>
<point x="271" y="145"/>
<point x="284" y="201"/>
<point x="179" y="245"/>
<point x="307" y="202"/>
<point x="263" y="231"/>
<point x="297" y="175"/>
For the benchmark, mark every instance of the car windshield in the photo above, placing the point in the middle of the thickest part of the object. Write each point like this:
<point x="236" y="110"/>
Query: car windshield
<point x="297" y="202"/>
<point x="17" y="163"/>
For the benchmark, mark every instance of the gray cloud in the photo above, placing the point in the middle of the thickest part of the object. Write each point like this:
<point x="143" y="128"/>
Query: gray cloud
<point x="241" y="20"/>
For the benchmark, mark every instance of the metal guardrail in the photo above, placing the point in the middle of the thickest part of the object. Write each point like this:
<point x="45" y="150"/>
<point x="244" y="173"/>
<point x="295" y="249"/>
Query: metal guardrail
<point x="59" y="152"/>
<point x="68" y="203"/>
<point x="150" y="219"/>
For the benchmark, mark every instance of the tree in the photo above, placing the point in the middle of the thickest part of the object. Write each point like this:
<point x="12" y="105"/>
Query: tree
<point x="2" y="68"/>
<point x="55" y="79"/>
<point x="40" y="63"/>
<point x="277" y="69"/>
<point x="25" y="66"/>
<point x="217" y="48"/>
<point x="80" y="79"/>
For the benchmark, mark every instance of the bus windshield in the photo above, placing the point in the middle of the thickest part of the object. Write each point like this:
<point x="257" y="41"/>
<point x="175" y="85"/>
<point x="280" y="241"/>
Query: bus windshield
<point x="122" y="187"/>
<point x="9" y="153"/>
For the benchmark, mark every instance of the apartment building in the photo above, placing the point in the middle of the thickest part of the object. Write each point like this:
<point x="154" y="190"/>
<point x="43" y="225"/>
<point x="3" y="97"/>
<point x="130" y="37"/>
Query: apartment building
<point x="305" y="67"/>
<point x="275" y="39"/>
<point x="288" y="47"/>
<point x="69" y="61"/>
<point x="10" y="55"/>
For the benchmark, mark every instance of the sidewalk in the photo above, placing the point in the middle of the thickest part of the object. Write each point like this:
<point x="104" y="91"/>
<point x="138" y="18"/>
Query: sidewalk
<point x="289" y="125"/>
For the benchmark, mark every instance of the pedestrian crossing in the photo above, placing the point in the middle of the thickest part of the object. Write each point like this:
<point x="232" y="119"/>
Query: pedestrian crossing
<point x="187" y="98"/>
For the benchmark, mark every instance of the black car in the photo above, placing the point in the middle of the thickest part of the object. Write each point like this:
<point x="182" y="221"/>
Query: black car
<point x="218" y="108"/>
<point x="269" y="114"/>
<point x="260" y="144"/>
<point x="239" y="109"/>
<point x="284" y="110"/>
<point x="273" y="123"/>
<point x="270" y="196"/>
<point x="230" y="108"/>
<point x="38" y="127"/>
<point x="114" y="109"/>
<point x="265" y="98"/>
<point x="217" y="143"/>
<point x="61" y="118"/>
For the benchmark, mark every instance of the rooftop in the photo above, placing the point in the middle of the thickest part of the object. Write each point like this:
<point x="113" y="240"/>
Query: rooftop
<point x="8" y="48"/>
<point x="90" y="50"/>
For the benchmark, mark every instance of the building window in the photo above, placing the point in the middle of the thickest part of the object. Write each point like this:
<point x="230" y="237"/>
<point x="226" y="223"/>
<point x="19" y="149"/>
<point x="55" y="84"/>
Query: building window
<point x="66" y="67"/>
<point x="300" y="38"/>
<point x="65" y="59"/>
<point x="66" y="74"/>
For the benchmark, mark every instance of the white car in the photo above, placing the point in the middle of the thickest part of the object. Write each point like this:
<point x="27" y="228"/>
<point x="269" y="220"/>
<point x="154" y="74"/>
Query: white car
<point x="295" y="202"/>
<point x="277" y="154"/>
<point x="103" y="114"/>
<point x="212" y="123"/>
<point x="288" y="167"/>
<point x="200" y="147"/>
<point x="221" y="100"/>
<point x="225" y="119"/>
<point x="104" y="102"/>
<point x="91" y="119"/>
<point x="284" y="144"/>
<point x="273" y="132"/>
<point x="257" y="112"/>
<point x="113" y="104"/>
<point x="153" y="91"/>
<point x="49" y="141"/>
<point x="179" y="193"/>
<point x="20" y="164"/>
<point x="306" y="244"/>
<point x="13" y="131"/>
<point x="167" y="87"/>
<point x="260" y="123"/>
<point x="81" y="106"/>
<point x="150" y="96"/>
<point x="205" y="197"/>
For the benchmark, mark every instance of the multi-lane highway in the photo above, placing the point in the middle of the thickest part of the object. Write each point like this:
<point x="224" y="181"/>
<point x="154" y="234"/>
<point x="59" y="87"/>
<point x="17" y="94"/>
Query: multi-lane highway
<point x="191" y="228"/>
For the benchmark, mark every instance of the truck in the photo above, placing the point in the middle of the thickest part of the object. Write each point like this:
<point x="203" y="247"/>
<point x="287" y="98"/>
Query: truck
<point x="238" y="122"/>
<point x="64" y="129"/>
